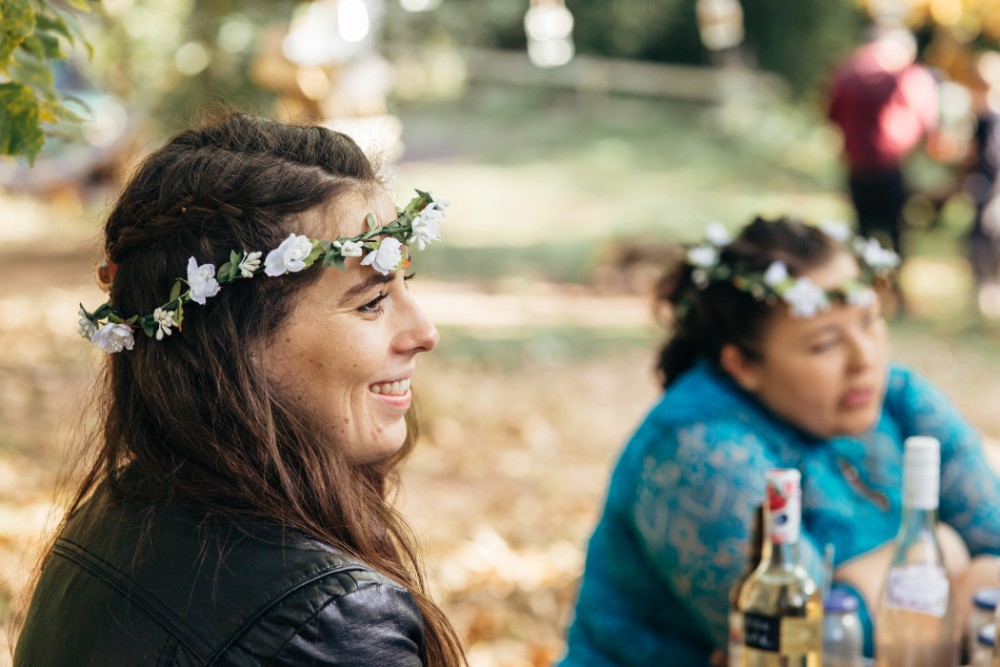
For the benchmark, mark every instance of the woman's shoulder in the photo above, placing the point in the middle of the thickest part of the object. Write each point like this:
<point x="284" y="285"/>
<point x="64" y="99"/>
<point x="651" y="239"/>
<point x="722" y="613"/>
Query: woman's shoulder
<point x="221" y="584"/>
<point x="704" y="398"/>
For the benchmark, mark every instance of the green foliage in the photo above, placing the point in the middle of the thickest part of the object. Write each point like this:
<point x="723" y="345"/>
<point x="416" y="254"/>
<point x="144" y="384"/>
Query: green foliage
<point x="801" y="40"/>
<point x="34" y="35"/>
<point x="797" y="39"/>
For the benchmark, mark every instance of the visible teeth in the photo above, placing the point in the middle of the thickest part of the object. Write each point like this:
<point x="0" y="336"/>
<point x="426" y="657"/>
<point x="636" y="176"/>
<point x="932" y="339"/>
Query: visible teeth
<point x="391" y="388"/>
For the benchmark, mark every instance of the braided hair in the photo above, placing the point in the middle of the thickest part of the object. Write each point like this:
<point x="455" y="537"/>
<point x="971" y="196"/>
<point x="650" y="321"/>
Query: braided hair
<point x="195" y="416"/>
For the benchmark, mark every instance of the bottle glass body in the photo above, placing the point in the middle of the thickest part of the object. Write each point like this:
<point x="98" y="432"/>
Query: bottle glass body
<point x="915" y="626"/>
<point x="843" y="636"/>
<point x="782" y="605"/>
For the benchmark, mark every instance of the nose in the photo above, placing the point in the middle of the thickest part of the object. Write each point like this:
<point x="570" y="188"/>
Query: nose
<point x="418" y="333"/>
<point x="863" y="351"/>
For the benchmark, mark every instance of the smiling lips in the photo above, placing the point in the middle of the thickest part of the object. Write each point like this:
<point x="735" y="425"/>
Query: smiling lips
<point x="397" y="388"/>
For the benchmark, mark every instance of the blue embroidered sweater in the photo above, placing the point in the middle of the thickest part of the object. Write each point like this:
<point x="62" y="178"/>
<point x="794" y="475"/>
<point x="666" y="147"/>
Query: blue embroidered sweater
<point x="674" y="533"/>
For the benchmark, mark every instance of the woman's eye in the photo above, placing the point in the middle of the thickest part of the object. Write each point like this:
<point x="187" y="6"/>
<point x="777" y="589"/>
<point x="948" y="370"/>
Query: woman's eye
<point x="823" y="346"/>
<point x="375" y="305"/>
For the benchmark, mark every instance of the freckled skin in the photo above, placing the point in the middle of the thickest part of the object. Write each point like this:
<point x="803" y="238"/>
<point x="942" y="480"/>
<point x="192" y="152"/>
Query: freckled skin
<point x="335" y="347"/>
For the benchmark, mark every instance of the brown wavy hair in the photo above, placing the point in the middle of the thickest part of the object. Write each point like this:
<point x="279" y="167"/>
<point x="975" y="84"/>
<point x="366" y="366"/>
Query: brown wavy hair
<point x="195" y="416"/>
<point x="703" y="321"/>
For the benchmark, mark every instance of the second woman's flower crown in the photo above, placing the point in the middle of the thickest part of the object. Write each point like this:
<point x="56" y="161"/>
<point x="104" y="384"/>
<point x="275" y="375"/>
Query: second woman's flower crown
<point x="774" y="285"/>
<point x="381" y="247"/>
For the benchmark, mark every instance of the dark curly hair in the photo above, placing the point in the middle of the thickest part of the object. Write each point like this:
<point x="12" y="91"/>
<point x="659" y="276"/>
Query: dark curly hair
<point x="706" y="320"/>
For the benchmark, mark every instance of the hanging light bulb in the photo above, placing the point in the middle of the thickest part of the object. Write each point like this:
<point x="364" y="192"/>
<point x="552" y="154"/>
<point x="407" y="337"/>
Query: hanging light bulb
<point x="353" y="22"/>
<point x="419" y="5"/>
<point x="720" y="23"/>
<point x="329" y="31"/>
<point x="548" y="21"/>
<point x="549" y="27"/>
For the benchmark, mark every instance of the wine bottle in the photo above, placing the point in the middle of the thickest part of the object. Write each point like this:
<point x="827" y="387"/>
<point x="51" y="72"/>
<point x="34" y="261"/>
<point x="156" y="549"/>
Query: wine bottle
<point x="915" y="625"/>
<point x="782" y="605"/>
<point x="754" y="556"/>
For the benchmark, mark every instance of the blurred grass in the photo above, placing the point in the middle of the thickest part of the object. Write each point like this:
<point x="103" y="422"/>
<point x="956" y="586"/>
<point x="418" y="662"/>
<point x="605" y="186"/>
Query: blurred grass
<point x="511" y="350"/>
<point x="610" y="169"/>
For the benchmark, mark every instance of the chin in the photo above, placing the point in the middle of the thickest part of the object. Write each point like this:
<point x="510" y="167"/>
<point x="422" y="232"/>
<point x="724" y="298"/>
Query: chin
<point x="859" y="425"/>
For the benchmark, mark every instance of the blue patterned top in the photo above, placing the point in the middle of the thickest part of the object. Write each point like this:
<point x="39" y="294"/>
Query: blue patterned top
<point x="673" y="537"/>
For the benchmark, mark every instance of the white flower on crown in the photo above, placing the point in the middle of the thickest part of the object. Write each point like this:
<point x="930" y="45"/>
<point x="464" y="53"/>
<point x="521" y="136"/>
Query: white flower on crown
<point x="876" y="256"/>
<point x="349" y="248"/>
<point x="425" y="229"/>
<point x="776" y="273"/>
<point x="87" y="328"/>
<point x="201" y="280"/>
<point x="250" y="264"/>
<point x="717" y="234"/>
<point x="164" y="321"/>
<point x="385" y="257"/>
<point x="113" y="337"/>
<point x="805" y="298"/>
<point x="703" y="256"/>
<point x="289" y="257"/>
<point x="862" y="298"/>
<point x="836" y="229"/>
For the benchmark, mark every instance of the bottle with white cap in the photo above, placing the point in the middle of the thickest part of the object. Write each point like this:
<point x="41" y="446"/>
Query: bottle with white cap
<point x="782" y="605"/>
<point x="915" y="626"/>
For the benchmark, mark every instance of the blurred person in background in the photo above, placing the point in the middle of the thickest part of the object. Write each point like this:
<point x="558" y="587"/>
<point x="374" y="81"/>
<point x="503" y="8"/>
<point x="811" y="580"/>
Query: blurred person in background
<point x="779" y="358"/>
<point x="981" y="182"/>
<point x="251" y="420"/>
<point x="884" y="104"/>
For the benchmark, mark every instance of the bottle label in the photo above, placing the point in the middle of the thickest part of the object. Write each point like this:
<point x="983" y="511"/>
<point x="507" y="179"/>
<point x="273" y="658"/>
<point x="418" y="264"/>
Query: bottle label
<point x="762" y="632"/>
<point x="784" y="508"/>
<point x="920" y="587"/>
<point x="785" y="635"/>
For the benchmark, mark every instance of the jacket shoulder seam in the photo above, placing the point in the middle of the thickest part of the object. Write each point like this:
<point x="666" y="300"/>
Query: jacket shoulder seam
<point x="113" y="577"/>
<point x="326" y="603"/>
<point x="278" y="597"/>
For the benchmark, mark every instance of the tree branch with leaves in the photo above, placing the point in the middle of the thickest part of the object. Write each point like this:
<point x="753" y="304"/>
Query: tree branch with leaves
<point x="34" y="36"/>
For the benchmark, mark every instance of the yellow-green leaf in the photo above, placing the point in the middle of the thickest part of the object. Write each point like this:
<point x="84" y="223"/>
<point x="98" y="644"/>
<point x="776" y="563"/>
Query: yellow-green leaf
<point x="17" y="21"/>
<point x="20" y="133"/>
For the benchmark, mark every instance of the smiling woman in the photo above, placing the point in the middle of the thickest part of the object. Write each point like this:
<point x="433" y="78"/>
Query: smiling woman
<point x="252" y="418"/>
<point x="778" y="358"/>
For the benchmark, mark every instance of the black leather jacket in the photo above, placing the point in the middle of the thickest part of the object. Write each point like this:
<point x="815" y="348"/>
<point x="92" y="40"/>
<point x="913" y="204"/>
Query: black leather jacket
<point x="128" y="584"/>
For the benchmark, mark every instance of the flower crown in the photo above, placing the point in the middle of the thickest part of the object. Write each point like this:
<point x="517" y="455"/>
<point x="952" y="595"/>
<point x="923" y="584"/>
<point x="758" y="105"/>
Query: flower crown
<point x="381" y="247"/>
<point x="803" y="297"/>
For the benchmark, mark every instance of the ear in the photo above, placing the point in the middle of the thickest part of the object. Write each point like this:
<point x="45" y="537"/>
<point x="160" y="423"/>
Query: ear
<point x="742" y="369"/>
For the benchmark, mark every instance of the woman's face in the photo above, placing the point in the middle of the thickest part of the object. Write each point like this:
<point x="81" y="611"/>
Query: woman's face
<point x="348" y="349"/>
<point x="825" y="374"/>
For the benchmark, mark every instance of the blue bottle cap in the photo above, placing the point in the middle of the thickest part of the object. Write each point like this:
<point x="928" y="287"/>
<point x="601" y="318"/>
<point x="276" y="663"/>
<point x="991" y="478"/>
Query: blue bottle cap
<point x="986" y="598"/>
<point x="839" y="601"/>
<point x="987" y="635"/>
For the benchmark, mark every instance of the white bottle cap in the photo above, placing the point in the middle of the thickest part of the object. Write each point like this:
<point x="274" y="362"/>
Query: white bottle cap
<point x="921" y="472"/>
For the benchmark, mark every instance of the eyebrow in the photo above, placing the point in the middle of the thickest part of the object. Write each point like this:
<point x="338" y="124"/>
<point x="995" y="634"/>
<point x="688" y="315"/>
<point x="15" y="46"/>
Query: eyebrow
<point x="823" y="330"/>
<point x="365" y="285"/>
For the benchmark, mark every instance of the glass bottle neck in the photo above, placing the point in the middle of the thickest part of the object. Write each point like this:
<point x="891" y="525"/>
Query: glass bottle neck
<point x="781" y="541"/>
<point x="782" y="556"/>
<point x="917" y="521"/>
